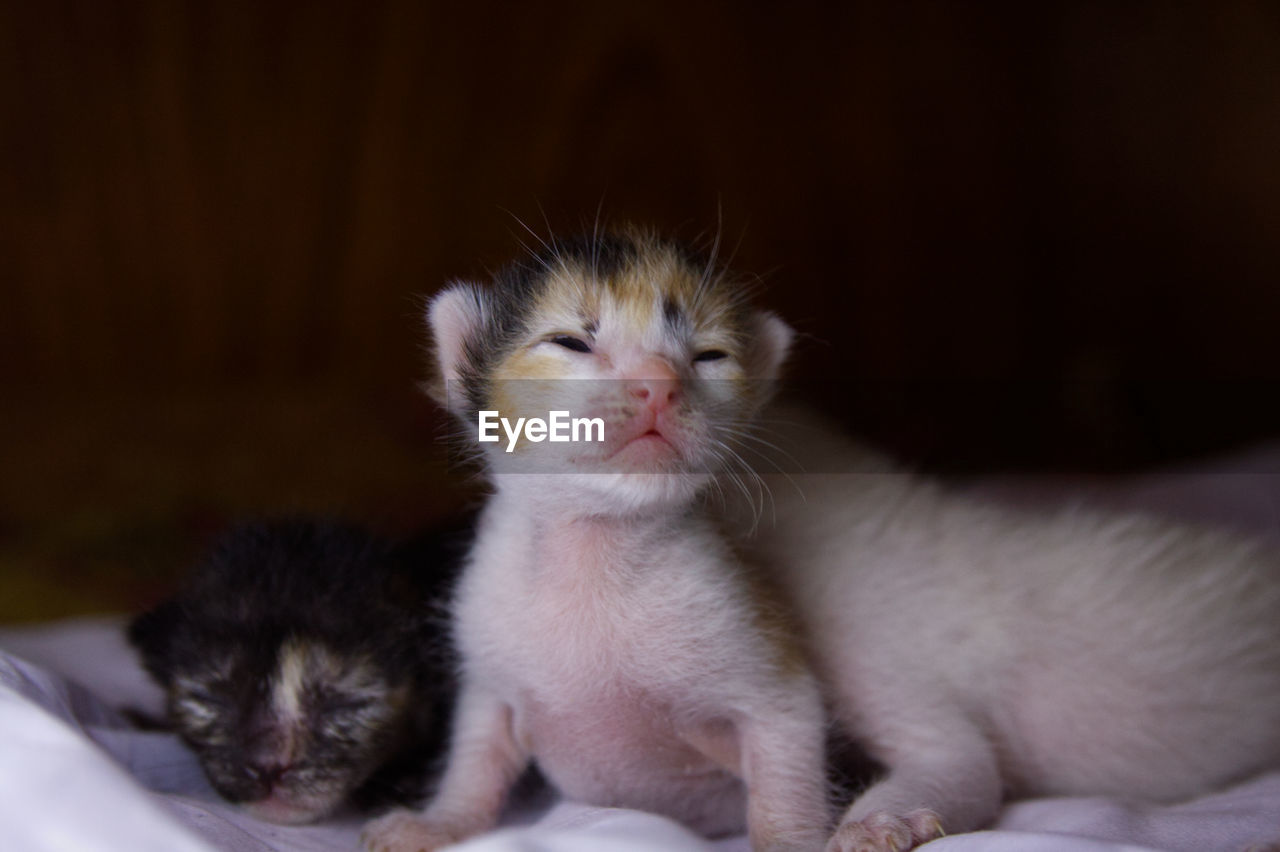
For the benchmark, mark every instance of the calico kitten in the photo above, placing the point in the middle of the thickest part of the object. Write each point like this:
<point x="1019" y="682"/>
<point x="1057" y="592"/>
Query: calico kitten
<point x="613" y="625"/>
<point x="606" y="629"/>
<point x="306" y="664"/>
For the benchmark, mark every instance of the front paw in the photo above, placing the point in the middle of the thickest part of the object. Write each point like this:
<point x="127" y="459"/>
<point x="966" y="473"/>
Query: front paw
<point x="407" y="831"/>
<point x="884" y="832"/>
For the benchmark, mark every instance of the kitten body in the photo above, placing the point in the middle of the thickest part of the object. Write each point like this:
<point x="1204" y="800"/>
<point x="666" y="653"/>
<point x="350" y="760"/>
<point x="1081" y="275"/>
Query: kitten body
<point x="305" y="663"/>
<point x="982" y="652"/>
<point x="606" y="629"/>
<point x="617" y="625"/>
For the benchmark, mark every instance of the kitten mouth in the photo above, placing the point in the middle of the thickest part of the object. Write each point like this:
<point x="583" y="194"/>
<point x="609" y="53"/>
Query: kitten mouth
<point x="279" y="809"/>
<point x="646" y="450"/>
<point x="651" y="436"/>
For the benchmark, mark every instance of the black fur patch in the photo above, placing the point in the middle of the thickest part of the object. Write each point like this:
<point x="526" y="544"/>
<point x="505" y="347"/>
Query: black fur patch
<point x="671" y="313"/>
<point x="216" y="645"/>
<point x="604" y="256"/>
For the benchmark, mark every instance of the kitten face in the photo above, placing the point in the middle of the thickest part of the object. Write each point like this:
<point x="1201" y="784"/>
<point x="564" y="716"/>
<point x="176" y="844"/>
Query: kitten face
<point x="660" y="347"/>
<point x="292" y="740"/>
<point x="302" y="663"/>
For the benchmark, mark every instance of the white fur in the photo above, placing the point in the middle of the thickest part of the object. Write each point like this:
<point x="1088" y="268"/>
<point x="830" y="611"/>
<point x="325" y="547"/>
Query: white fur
<point x="288" y="682"/>
<point x="621" y="654"/>
<point x="454" y="315"/>
<point x="981" y="652"/>
<point x="605" y="627"/>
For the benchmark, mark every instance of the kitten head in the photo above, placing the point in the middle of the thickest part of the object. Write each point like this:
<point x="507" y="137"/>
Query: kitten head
<point x="289" y="668"/>
<point x="656" y="344"/>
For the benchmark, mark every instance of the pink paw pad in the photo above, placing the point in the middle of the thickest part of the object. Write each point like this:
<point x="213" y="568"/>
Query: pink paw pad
<point x="885" y="832"/>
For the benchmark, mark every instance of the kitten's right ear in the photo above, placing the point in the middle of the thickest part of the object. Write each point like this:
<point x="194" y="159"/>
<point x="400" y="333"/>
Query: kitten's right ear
<point x="456" y="316"/>
<point x="773" y="342"/>
<point x="152" y="634"/>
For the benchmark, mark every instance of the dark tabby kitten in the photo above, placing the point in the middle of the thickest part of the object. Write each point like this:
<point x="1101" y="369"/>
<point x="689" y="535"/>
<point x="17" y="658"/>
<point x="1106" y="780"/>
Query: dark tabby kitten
<point x="306" y="664"/>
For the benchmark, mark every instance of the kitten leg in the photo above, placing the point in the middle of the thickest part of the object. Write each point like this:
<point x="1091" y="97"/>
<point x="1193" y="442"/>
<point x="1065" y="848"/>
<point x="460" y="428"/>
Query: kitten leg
<point x="944" y="777"/>
<point x="783" y="765"/>
<point x="484" y="761"/>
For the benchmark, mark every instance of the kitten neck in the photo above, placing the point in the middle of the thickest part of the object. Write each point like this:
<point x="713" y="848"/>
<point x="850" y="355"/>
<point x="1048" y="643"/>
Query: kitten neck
<point x="582" y="551"/>
<point x="623" y="499"/>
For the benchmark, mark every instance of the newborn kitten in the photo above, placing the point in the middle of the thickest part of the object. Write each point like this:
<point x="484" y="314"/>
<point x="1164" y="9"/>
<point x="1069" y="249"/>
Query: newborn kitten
<point x="305" y="663"/>
<point x="982" y="653"/>
<point x="606" y="628"/>
<point x="609" y="630"/>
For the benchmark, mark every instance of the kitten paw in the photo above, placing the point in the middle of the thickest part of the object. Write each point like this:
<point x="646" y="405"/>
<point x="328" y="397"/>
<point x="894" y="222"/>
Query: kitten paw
<point x="884" y="832"/>
<point x="407" y="831"/>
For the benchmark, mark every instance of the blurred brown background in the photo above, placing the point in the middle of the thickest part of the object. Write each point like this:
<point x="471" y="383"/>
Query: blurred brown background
<point x="1027" y="237"/>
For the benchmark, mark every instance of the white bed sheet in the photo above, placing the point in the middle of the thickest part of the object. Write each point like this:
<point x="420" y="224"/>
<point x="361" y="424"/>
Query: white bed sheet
<point x="74" y="775"/>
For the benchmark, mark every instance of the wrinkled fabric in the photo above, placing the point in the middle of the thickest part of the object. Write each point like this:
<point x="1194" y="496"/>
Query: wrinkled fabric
<point x="75" y="775"/>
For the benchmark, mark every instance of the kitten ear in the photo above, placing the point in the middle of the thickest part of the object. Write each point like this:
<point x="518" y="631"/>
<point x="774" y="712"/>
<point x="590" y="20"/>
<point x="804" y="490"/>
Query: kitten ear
<point x="455" y="316"/>
<point x="772" y="343"/>
<point x="152" y="633"/>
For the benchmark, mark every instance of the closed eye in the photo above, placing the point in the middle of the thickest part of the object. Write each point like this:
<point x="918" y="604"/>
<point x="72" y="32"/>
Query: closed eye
<point x="346" y="705"/>
<point x="568" y="341"/>
<point x="710" y="355"/>
<point x="200" y="702"/>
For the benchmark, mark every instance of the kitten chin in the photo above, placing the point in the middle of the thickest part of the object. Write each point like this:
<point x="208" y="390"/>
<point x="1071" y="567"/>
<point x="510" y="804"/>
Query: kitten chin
<point x="306" y="664"/>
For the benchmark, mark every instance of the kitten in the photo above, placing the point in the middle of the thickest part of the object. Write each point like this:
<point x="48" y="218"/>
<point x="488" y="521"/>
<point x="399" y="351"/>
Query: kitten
<point x="606" y="628"/>
<point x="982" y="653"/>
<point x="613" y="625"/>
<point x="305" y="664"/>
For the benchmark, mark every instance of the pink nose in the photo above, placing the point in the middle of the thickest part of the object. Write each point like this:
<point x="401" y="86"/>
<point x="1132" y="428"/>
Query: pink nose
<point x="655" y="383"/>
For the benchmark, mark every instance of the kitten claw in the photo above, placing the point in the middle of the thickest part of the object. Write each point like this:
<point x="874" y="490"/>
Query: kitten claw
<point x="406" y="831"/>
<point x="884" y="832"/>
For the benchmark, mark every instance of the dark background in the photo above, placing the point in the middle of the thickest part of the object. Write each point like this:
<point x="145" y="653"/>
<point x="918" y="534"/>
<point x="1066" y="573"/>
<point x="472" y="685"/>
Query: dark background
<point x="1027" y="237"/>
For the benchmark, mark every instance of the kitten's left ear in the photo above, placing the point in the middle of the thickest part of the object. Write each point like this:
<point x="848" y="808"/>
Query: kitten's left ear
<point x="456" y="317"/>
<point x="152" y="634"/>
<point x="772" y="343"/>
